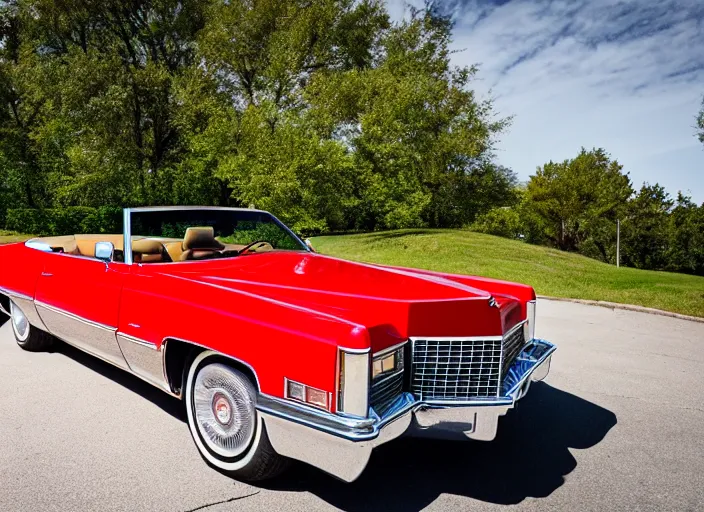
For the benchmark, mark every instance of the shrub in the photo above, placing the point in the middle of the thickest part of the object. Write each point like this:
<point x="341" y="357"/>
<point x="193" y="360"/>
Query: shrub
<point x="504" y="222"/>
<point x="65" y="221"/>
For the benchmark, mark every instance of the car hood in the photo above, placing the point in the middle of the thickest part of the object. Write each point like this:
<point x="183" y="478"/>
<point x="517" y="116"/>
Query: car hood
<point x="392" y="303"/>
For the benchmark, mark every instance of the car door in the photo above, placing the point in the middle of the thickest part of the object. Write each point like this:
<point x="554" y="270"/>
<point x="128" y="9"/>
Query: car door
<point x="78" y="299"/>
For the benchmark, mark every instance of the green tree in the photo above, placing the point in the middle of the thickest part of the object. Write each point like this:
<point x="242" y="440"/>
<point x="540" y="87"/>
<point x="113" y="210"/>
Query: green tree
<point x="574" y="204"/>
<point x="96" y="78"/>
<point x="645" y="232"/>
<point x="22" y="180"/>
<point x="322" y="111"/>
<point x="686" y="237"/>
<point x="422" y="141"/>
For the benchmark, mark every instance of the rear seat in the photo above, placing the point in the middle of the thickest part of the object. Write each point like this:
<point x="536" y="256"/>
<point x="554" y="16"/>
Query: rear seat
<point x="144" y="250"/>
<point x="175" y="249"/>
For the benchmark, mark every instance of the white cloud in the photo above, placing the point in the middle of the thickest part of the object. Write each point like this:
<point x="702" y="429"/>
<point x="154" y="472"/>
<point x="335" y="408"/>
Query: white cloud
<point x="626" y="76"/>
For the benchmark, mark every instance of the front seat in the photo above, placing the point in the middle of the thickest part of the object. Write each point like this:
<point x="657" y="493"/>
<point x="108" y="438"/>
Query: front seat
<point x="199" y="244"/>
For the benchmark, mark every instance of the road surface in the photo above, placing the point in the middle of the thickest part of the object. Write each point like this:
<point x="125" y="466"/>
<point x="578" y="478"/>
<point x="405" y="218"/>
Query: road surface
<point x="618" y="425"/>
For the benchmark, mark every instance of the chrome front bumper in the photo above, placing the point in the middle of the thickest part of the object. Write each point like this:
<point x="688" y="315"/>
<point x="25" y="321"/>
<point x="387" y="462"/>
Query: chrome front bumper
<point x="342" y="446"/>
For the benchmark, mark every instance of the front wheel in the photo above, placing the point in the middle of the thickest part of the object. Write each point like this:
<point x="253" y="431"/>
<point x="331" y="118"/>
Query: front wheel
<point x="223" y="419"/>
<point x="28" y="337"/>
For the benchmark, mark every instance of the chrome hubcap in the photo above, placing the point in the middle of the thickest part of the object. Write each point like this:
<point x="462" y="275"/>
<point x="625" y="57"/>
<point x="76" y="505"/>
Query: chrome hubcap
<point x="224" y="410"/>
<point x="19" y="322"/>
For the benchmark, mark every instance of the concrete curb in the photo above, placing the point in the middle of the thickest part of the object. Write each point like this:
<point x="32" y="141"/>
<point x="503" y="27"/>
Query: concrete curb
<point x="627" y="307"/>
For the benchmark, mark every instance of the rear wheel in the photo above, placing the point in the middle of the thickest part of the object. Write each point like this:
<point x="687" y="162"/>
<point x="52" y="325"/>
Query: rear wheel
<point x="28" y="337"/>
<point x="222" y="416"/>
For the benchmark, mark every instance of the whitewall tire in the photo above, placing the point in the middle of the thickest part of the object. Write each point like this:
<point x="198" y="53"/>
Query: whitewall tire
<point x="28" y="337"/>
<point x="222" y="417"/>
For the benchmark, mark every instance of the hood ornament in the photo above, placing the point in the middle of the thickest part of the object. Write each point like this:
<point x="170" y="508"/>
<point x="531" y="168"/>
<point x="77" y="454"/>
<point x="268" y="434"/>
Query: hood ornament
<point x="492" y="302"/>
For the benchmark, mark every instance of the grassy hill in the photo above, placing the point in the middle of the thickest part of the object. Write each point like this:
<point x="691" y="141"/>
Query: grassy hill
<point x="8" y="237"/>
<point x="549" y="271"/>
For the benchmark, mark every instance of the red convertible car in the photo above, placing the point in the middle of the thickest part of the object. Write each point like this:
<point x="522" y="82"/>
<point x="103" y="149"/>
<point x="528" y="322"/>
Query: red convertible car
<point x="277" y="352"/>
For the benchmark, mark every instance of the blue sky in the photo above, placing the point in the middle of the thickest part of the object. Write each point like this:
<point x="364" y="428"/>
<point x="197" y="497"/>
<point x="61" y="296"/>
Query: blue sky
<point x="627" y="76"/>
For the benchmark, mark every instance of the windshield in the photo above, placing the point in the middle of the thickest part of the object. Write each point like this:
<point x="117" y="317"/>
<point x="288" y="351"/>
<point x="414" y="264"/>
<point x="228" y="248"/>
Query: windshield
<point x="170" y="235"/>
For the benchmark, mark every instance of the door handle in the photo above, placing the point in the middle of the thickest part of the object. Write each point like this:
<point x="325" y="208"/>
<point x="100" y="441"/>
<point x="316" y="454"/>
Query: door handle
<point x="47" y="274"/>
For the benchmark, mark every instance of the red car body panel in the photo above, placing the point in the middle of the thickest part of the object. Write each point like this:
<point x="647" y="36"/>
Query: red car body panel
<point x="284" y="313"/>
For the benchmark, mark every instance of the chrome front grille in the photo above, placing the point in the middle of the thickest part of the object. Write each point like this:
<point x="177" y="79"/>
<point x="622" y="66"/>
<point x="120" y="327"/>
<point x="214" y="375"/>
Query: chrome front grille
<point x="455" y="369"/>
<point x="463" y="369"/>
<point x="385" y="391"/>
<point x="513" y="343"/>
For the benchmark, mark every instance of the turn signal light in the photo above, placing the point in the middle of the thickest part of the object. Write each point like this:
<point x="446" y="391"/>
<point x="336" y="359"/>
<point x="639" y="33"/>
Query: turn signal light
<point x="306" y="394"/>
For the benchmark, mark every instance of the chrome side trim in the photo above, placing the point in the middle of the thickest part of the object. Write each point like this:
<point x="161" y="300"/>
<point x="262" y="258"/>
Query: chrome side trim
<point x="138" y="341"/>
<point x="26" y="304"/>
<point x="93" y="337"/>
<point x="144" y="360"/>
<point x="73" y="316"/>
<point x="14" y="294"/>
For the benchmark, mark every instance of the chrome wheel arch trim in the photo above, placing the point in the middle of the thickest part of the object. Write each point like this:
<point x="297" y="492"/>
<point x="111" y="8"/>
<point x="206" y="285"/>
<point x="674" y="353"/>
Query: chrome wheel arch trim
<point x="164" y="345"/>
<point x="27" y="305"/>
<point x="2" y="308"/>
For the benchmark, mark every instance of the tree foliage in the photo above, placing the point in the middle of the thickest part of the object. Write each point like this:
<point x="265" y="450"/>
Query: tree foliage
<point x="575" y="205"/>
<point x="576" y="202"/>
<point x="322" y="111"/>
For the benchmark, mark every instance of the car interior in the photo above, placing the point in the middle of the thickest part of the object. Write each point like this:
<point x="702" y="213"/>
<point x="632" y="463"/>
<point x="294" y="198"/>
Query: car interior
<point x="198" y="243"/>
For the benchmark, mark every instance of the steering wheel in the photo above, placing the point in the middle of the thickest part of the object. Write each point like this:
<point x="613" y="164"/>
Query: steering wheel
<point x="255" y="246"/>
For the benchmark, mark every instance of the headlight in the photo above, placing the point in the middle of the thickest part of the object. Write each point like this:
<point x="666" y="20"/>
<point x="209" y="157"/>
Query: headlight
<point x="387" y="362"/>
<point x="353" y="383"/>
<point x="529" y="326"/>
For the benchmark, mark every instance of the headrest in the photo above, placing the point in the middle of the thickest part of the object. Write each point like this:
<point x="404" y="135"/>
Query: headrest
<point x="146" y="246"/>
<point x="201" y="238"/>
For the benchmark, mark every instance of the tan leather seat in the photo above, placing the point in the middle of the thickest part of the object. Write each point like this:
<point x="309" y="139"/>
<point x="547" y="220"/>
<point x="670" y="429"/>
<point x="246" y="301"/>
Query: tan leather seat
<point x="175" y="250"/>
<point x="86" y="243"/>
<point x="148" y="251"/>
<point x="199" y="243"/>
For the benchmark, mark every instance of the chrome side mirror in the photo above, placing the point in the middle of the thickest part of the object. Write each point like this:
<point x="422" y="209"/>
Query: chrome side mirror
<point x="309" y="245"/>
<point x="104" y="251"/>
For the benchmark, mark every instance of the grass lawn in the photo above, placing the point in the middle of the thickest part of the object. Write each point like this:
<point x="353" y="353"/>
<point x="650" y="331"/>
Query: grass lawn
<point x="8" y="237"/>
<point x="549" y="271"/>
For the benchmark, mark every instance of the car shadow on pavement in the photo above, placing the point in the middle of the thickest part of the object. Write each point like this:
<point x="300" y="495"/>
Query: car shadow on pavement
<point x="168" y="403"/>
<point x="529" y="458"/>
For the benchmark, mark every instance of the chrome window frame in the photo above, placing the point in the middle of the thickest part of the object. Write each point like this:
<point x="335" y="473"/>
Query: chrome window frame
<point x="127" y="224"/>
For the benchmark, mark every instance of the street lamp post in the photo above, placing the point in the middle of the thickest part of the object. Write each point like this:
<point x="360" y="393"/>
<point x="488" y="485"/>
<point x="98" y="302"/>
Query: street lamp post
<point x="618" y="243"/>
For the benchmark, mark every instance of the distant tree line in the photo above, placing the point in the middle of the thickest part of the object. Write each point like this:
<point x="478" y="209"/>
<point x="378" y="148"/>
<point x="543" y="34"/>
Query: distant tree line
<point x="323" y="112"/>
<point x="574" y="206"/>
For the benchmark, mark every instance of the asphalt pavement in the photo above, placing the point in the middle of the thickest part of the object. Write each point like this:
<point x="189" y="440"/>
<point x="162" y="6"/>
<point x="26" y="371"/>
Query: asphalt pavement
<point x="617" y="425"/>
